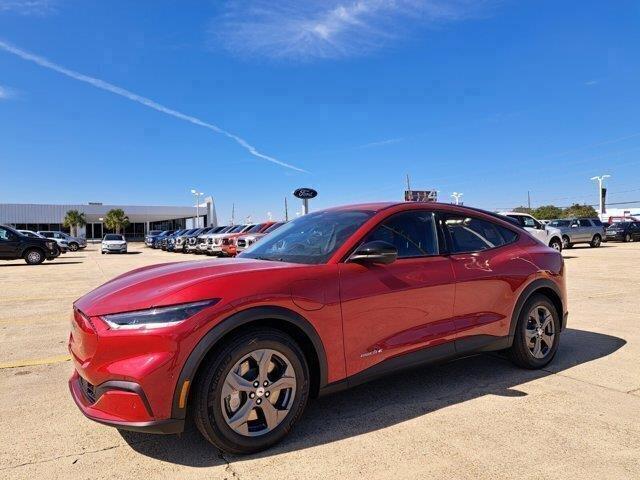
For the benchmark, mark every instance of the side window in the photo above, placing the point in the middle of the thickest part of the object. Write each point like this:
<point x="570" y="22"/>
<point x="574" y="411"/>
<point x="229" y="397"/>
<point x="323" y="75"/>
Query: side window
<point x="597" y="222"/>
<point x="529" y="222"/>
<point x="585" y="223"/>
<point x="412" y="233"/>
<point x="5" y="235"/>
<point x="48" y="234"/>
<point x="469" y="234"/>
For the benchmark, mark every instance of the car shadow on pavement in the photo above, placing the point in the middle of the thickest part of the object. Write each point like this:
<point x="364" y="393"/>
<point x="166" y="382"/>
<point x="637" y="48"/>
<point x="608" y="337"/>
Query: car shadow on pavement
<point x="44" y="263"/>
<point x="388" y="401"/>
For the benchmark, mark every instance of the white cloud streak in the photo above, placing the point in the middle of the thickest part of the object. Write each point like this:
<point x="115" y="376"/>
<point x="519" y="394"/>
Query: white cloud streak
<point x="101" y="84"/>
<point x="26" y="7"/>
<point x="5" y="93"/>
<point x="304" y="29"/>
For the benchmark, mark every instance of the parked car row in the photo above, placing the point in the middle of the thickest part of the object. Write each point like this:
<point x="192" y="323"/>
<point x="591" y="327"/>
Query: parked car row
<point x="227" y="241"/>
<point x="31" y="246"/>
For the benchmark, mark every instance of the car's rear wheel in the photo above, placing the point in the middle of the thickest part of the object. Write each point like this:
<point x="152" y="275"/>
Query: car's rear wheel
<point x="566" y="242"/>
<point x="252" y="391"/>
<point x="537" y="333"/>
<point x="73" y="246"/>
<point x="628" y="238"/>
<point x="596" y="241"/>
<point x="34" y="256"/>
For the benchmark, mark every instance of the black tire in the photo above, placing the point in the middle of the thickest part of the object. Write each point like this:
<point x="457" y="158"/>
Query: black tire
<point x="628" y="238"/>
<point x="556" y="244"/>
<point x="73" y="246"/>
<point x="595" y="241"/>
<point x="207" y="410"/>
<point x="34" y="256"/>
<point x="519" y="352"/>
<point x="566" y="242"/>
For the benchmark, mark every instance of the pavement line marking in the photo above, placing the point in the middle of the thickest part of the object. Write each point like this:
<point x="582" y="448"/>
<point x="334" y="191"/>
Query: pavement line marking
<point x="38" y="361"/>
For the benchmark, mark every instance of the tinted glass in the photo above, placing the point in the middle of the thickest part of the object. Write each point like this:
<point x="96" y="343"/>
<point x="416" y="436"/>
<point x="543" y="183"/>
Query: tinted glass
<point x="273" y="227"/>
<point x="310" y="239"/>
<point x="113" y="236"/>
<point x="5" y="234"/>
<point x="412" y="233"/>
<point x="469" y="234"/>
<point x="585" y="223"/>
<point x="596" y="221"/>
<point x="255" y="228"/>
<point x="560" y="223"/>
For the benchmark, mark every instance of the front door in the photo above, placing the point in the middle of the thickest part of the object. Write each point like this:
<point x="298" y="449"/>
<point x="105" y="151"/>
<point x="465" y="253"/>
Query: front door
<point x="390" y="310"/>
<point x="9" y="243"/>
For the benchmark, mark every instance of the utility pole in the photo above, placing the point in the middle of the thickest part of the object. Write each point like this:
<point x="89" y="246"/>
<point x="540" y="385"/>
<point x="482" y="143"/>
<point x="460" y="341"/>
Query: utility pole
<point x="456" y="196"/>
<point x="197" y="194"/>
<point x="528" y="200"/>
<point x="286" y="210"/>
<point x="600" y="181"/>
<point x="408" y="187"/>
<point x="233" y="214"/>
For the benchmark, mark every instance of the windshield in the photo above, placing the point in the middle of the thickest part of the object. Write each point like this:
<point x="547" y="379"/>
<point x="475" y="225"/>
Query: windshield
<point x="255" y="228"/>
<point x="113" y="236"/>
<point x="559" y="223"/>
<point x="311" y="239"/>
<point x="273" y="227"/>
<point x="236" y="229"/>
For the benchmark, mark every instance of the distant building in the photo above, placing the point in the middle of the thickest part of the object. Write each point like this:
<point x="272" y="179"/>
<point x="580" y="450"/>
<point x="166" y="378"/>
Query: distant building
<point x="28" y="216"/>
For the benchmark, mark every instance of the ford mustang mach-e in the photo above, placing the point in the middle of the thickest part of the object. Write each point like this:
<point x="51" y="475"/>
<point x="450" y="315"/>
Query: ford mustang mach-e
<point x="327" y="301"/>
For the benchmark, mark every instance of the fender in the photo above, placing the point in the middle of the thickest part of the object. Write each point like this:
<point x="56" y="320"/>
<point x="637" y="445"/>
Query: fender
<point x="526" y="294"/>
<point x="237" y="320"/>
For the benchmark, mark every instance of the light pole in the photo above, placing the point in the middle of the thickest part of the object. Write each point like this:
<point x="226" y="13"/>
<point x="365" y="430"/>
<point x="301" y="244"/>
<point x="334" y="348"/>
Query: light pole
<point x="197" y="194"/>
<point x="600" y="180"/>
<point x="456" y="196"/>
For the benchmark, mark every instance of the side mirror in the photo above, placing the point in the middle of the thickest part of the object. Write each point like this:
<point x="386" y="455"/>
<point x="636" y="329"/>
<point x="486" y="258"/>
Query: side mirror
<point x="375" y="252"/>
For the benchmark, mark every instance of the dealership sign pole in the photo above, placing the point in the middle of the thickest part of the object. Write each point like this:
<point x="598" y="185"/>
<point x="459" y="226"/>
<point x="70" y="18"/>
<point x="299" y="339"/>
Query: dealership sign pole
<point x="305" y="194"/>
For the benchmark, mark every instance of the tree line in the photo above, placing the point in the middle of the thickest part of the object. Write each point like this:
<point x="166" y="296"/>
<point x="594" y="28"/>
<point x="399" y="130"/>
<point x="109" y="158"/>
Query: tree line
<point x="115" y="219"/>
<point x="551" y="212"/>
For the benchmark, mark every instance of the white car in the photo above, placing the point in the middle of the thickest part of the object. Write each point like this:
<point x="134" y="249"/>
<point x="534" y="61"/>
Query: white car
<point x="62" y="244"/>
<point x="550" y="236"/>
<point x="114" y="243"/>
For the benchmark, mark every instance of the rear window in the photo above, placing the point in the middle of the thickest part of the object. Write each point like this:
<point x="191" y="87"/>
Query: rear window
<point x="468" y="234"/>
<point x="112" y="236"/>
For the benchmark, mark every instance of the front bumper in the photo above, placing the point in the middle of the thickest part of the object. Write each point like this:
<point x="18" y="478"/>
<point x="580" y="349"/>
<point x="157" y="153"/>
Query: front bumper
<point x="114" y="249"/>
<point x="614" y="236"/>
<point x="127" y="398"/>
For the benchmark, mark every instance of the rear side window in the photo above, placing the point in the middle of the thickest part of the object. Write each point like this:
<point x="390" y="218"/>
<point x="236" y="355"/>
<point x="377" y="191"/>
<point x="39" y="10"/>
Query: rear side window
<point x="585" y="223"/>
<point x="468" y="234"/>
<point x="412" y="233"/>
<point x="596" y="221"/>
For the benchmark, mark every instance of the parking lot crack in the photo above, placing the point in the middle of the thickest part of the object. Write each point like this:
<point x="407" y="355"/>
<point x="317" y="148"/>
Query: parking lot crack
<point x="228" y="467"/>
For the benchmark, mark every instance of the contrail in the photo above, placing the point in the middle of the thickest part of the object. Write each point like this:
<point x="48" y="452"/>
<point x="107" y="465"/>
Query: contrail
<point x="101" y="84"/>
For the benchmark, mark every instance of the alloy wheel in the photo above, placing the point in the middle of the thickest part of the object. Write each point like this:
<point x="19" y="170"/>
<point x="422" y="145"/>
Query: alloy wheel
<point x="34" y="257"/>
<point x="540" y="331"/>
<point x="258" y="392"/>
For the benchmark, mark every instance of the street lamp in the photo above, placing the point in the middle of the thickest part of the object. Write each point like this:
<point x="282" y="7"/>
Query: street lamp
<point x="456" y="196"/>
<point x="600" y="180"/>
<point x="197" y="194"/>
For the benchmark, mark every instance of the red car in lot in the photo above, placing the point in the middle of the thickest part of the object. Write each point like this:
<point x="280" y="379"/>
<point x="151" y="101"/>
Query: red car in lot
<point x="327" y="301"/>
<point x="229" y="245"/>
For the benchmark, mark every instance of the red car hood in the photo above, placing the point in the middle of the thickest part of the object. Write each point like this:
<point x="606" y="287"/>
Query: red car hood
<point x="164" y="284"/>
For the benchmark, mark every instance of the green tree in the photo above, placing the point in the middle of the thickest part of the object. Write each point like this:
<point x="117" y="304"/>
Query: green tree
<point x="523" y="210"/>
<point x="547" y="212"/>
<point x="115" y="219"/>
<point x="74" y="219"/>
<point x="577" y="210"/>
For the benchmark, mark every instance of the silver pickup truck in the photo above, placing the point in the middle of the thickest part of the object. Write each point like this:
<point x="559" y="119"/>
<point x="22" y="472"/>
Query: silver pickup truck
<point x="580" y="230"/>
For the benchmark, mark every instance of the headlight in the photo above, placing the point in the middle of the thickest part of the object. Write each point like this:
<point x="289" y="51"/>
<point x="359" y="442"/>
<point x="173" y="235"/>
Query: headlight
<point x="156" y="317"/>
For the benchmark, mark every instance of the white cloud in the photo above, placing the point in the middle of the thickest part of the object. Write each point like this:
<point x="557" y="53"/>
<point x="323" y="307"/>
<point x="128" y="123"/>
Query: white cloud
<point x="6" y="93"/>
<point x="26" y="7"/>
<point x="304" y="29"/>
<point x="381" y="143"/>
<point x="134" y="97"/>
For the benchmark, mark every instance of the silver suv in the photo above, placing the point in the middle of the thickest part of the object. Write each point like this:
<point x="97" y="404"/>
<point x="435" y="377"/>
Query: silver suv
<point x="580" y="230"/>
<point x="75" y="243"/>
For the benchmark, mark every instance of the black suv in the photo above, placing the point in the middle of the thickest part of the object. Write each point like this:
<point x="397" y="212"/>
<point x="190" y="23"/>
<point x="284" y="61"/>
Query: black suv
<point x="625" y="231"/>
<point x="34" y="250"/>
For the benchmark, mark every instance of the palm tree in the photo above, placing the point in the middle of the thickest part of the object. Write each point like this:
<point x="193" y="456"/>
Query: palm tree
<point x="74" y="219"/>
<point x="115" y="219"/>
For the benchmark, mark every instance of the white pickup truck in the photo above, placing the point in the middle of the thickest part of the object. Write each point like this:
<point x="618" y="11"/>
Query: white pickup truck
<point x="549" y="236"/>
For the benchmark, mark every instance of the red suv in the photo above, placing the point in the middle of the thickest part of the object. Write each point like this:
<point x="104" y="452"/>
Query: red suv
<point x="327" y="301"/>
<point x="229" y="242"/>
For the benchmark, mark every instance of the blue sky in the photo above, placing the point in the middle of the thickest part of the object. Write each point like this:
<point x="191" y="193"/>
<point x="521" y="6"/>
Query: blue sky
<point x="255" y="98"/>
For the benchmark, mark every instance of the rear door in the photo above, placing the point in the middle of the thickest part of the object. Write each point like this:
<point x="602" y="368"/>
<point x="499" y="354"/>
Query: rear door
<point x="488" y="270"/>
<point x="586" y="230"/>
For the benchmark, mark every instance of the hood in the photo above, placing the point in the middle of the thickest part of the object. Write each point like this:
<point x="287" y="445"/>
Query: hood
<point x="553" y="231"/>
<point x="166" y="284"/>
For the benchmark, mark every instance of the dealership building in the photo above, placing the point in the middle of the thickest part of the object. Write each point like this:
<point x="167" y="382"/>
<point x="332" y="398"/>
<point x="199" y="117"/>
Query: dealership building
<point x="142" y="219"/>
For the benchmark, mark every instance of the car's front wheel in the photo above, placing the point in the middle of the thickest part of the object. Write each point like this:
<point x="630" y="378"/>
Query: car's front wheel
<point x="596" y="241"/>
<point x="628" y="238"/>
<point x="34" y="256"/>
<point x="537" y="333"/>
<point x="73" y="246"/>
<point x="252" y="391"/>
<point x="566" y="242"/>
<point x="556" y="244"/>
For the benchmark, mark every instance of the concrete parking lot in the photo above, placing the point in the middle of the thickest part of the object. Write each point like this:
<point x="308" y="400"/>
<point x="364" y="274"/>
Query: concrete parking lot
<point x="479" y="417"/>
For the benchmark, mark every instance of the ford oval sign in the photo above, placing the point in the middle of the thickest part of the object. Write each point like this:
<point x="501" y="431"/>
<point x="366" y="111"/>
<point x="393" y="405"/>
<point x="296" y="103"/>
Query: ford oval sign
<point x="305" y="193"/>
